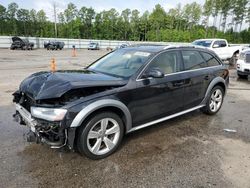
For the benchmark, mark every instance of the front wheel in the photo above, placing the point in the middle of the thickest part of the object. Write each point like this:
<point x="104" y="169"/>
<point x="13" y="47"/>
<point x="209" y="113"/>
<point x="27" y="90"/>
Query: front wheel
<point x="214" y="101"/>
<point x="101" y="136"/>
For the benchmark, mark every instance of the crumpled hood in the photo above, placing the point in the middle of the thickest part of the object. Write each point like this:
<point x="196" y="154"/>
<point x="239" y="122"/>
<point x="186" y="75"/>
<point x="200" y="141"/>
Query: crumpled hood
<point x="46" y="85"/>
<point x="16" y="39"/>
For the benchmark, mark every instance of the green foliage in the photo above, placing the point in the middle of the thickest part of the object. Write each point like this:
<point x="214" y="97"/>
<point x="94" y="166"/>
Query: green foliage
<point x="180" y="24"/>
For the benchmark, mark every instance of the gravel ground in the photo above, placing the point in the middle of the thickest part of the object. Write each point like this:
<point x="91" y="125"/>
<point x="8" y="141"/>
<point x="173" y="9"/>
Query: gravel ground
<point x="188" y="151"/>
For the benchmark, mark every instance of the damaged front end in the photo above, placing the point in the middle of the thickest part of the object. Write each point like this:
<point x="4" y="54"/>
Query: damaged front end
<point x="47" y="103"/>
<point x="42" y="131"/>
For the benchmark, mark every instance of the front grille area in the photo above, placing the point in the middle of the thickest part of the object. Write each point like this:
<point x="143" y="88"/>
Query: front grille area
<point x="246" y="70"/>
<point x="247" y="58"/>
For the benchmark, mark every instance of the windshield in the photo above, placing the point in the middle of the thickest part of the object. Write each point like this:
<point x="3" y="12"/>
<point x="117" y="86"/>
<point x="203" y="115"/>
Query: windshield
<point x="121" y="63"/>
<point x="205" y="43"/>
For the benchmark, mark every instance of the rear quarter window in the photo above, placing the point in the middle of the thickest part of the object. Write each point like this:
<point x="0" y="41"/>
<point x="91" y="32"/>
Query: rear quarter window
<point x="211" y="60"/>
<point x="192" y="60"/>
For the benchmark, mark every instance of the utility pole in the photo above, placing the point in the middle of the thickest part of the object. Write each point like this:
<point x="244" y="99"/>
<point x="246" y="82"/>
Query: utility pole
<point x="54" y="7"/>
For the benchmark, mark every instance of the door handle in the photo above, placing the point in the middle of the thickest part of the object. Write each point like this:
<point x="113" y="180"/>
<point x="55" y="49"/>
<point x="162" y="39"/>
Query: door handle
<point x="177" y="84"/>
<point x="207" y="77"/>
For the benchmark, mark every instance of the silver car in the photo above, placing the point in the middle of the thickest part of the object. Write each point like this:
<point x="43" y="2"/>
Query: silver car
<point x="93" y="46"/>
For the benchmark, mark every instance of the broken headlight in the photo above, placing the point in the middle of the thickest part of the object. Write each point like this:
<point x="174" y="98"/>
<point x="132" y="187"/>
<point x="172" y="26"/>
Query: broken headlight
<point x="50" y="114"/>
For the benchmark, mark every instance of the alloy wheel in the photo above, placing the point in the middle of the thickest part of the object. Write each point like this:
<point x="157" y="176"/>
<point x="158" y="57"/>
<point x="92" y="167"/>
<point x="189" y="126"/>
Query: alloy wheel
<point x="216" y="100"/>
<point x="103" y="136"/>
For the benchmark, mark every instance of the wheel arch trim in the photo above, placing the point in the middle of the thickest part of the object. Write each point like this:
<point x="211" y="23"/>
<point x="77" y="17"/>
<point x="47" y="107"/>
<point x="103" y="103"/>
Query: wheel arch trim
<point x="97" y="105"/>
<point x="213" y="83"/>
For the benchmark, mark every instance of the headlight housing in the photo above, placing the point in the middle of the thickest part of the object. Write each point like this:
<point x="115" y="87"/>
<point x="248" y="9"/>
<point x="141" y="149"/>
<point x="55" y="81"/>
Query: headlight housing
<point x="50" y="114"/>
<point x="242" y="56"/>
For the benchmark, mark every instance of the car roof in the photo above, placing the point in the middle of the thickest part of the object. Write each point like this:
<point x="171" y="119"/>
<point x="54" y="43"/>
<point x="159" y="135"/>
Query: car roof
<point x="157" y="48"/>
<point x="147" y="48"/>
<point x="209" y="39"/>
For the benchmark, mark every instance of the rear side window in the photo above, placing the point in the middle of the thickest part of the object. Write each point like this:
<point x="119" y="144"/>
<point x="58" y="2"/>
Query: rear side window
<point x="167" y="62"/>
<point x="193" y="60"/>
<point x="211" y="61"/>
<point x="221" y="43"/>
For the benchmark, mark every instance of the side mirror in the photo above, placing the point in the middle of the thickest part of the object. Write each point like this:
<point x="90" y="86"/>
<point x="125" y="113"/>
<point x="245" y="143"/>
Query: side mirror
<point x="154" y="73"/>
<point x="216" y="46"/>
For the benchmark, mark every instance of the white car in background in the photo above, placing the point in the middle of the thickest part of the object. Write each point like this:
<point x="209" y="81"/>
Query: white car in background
<point x="93" y="46"/>
<point x="243" y="64"/>
<point x="221" y="48"/>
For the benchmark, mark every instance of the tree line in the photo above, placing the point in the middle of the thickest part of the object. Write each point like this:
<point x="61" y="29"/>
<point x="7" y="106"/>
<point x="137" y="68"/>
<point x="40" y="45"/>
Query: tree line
<point x="184" y="23"/>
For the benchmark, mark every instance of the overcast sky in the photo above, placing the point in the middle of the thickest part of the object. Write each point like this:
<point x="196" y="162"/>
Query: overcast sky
<point x="98" y="5"/>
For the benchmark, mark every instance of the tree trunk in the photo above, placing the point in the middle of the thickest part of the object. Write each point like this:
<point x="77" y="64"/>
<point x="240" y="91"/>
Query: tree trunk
<point x="220" y="22"/>
<point x="207" y="22"/>
<point x="224" y="24"/>
<point x="214" y="24"/>
<point x="215" y="21"/>
<point x="235" y="27"/>
<point x="240" y="25"/>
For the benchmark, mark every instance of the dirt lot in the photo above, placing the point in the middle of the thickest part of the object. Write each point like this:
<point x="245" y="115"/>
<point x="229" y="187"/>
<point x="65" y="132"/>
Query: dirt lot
<point x="188" y="151"/>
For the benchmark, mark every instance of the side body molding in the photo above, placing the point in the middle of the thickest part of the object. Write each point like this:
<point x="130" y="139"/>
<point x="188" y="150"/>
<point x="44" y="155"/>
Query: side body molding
<point x="85" y="112"/>
<point x="211" y="85"/>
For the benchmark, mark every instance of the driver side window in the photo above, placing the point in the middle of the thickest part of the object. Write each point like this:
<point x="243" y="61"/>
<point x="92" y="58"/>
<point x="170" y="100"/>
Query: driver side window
<point x="167" y="62"/>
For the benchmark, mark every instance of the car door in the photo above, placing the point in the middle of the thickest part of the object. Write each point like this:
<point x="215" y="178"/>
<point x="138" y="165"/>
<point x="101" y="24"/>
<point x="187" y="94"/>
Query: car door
<point x="158" y="97"/>
<point x="197" y="76"/>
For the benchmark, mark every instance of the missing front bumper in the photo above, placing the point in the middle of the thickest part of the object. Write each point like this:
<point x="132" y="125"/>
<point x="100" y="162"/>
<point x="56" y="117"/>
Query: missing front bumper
<point x="22" y="116"/>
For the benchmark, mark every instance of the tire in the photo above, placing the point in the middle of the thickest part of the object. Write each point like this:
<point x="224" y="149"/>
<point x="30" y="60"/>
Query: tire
<point x="214" y="101"/>
<point x="95" y="145"/>
<point x="242" y="76"/>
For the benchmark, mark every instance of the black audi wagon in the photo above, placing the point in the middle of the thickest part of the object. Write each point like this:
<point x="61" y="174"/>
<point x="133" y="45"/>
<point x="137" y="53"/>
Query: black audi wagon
<point x="91" y="109"/>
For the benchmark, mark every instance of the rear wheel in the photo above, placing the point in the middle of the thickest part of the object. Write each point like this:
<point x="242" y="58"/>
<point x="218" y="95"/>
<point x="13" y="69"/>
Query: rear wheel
<point x="214" y="101"/>
<point x="101" y="136"/>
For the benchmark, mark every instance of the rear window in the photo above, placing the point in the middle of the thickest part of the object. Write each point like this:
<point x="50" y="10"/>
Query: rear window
<point x="211" y="61"/>
<point x="220" y="43"/>
<point x="205" y="43"/>
<point x="193" y="60"/>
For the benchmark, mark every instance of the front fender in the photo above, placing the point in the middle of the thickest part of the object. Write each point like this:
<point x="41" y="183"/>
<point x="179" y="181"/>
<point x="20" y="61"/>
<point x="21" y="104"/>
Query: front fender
<point x="92" y="107"/>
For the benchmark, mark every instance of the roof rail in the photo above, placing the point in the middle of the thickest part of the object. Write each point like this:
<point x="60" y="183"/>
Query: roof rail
<point x="182" y="46"/>
<point x="149" y="44"/>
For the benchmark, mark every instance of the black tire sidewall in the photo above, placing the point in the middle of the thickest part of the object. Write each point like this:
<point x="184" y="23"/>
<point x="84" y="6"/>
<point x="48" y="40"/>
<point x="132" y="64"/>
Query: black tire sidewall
<point x="208" y="110"/>
<point x="84" y="130"/>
